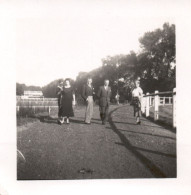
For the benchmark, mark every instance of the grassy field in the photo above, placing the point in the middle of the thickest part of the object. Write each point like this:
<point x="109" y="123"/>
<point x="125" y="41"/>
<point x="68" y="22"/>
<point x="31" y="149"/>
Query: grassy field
<point x="23" y="121"/>
<point x="27" y="114"/>
<point x="165" y="114"/>
<point x="31" y="107"/>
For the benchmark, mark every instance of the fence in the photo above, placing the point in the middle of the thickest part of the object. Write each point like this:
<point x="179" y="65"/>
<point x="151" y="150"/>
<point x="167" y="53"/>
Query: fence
<point x="30" y="107"/>
<point x="32" y="110"/>
<point x="158" y="99"/>
<point x="19" y="98"/>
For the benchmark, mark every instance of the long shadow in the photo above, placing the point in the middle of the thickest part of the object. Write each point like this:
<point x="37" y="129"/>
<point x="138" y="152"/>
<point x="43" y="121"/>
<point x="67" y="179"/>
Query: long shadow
<point x="141" y="124"/>
<point x="150" y="151"/>
<point x="47" y="119"/>
<point x="81" y="121"/>
<point x="127" y="118"/>
<point x="162" y="124"/>
<point x="144" y="133"/>
<point x="76" y="121"/>
<point x="156" y="172"/>
<point x="155" y="152"/>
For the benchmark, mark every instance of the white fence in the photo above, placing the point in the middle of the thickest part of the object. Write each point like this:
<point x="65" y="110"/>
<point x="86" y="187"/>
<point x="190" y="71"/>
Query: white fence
<point x="155" y="100"/>
<point x="36" y="107"/>
<point x="36" y="99"/>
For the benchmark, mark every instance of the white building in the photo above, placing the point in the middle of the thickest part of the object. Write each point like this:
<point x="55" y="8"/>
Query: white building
<point x="32" y="94"/>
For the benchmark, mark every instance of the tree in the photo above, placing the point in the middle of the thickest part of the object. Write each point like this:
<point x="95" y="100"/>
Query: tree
<point x="20" y="89"/>
<point x="49" y="91"/>
<point x="157" y="59"/>
<point x="155" y="65"/>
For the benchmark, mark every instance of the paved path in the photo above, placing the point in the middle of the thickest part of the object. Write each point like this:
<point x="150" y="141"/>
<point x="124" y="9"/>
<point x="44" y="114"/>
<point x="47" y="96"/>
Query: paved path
<point x="120" y="149"/>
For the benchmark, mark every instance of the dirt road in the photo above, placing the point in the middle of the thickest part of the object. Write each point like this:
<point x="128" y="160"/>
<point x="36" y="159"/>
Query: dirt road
<point x="119" y="149"/>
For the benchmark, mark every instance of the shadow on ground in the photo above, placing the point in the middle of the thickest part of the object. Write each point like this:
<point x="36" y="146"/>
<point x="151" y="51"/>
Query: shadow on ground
<point x="156" y="171"/>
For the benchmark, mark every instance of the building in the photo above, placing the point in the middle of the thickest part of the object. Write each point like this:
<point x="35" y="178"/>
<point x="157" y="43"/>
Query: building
<point x="32" y="94"/>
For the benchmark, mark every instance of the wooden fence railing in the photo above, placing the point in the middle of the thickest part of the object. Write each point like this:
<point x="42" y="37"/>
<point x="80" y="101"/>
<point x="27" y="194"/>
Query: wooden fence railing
<point x="157" y="99"/>
<point x="36" y="99"/>
<point x="33" y="106"/>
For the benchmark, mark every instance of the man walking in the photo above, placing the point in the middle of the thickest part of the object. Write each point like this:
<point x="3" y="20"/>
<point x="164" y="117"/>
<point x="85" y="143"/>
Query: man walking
<point x="104" y="94"/>
<point x="87" y="94"/>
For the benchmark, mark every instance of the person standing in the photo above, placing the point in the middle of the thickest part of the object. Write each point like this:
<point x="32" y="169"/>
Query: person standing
<point x="59" y="96"/>
<point x="117" y="98"/>
<point x="67" y="101"/>
<point x="137" y="94"/>
<point x="87" y="94"/>
<point x="104" y="94"/>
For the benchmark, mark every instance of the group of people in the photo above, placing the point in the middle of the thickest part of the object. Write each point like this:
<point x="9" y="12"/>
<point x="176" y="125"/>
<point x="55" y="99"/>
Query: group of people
<point x="66" y="101"/>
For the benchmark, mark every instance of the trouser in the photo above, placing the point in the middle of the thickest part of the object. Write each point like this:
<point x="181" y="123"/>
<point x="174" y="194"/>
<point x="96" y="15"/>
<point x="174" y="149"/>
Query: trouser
<point x="104" y="110"/>
<point x="89" y="109"/>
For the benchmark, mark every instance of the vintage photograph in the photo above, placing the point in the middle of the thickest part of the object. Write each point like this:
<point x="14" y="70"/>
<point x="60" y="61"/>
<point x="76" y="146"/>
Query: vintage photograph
<point x="95" y="93"/>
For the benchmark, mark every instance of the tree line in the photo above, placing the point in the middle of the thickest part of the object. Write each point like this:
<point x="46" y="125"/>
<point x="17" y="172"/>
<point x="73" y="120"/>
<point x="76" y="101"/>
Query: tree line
<point x="154" y="65"/>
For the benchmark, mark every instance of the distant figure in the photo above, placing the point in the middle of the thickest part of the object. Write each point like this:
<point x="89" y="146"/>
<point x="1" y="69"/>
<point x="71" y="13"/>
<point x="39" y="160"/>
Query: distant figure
<point x="117" y="98"/>
<point x="136" y="101"/>
<point x="87" y="94"/>
<point x="59" y="96"/>
<point x="68" y="99"/>
<point x="104" y="94"/>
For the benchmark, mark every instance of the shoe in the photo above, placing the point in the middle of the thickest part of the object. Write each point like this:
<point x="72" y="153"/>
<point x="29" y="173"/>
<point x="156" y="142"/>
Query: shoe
<point x="87" y="123"/>
<point x="103" y="123"/>
<point x="139" y="122"/>
<point x="67" y="121"/>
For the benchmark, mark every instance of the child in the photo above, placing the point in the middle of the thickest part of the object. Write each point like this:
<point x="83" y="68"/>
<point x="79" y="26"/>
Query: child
<point x="137" y="95"/>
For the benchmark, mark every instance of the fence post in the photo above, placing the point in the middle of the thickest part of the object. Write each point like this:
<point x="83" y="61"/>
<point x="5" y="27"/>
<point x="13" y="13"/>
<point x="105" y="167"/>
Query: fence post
<point x="49" y="111"/>
<point x="147" y="104"/>
<point x="143" y="104"/>
<point x="174" y="108"/>
<point x="156" y="106"/>
<point x="150" y="100"/>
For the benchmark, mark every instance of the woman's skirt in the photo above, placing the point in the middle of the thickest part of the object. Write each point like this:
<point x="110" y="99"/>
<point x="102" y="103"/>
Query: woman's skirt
<point x="136" y="105"/>
<point x="66" y="108"/>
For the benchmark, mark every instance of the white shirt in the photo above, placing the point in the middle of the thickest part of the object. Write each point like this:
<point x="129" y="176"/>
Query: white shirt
<point x="106" y="87"/>
<point x="137" y="92"/>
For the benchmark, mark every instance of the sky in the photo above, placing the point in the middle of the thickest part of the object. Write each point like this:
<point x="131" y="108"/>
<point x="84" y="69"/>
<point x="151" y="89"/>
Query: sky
<point x="58" y="40"/>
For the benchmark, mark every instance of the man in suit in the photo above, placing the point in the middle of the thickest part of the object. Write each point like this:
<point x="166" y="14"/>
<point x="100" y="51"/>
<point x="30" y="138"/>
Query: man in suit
<point x="104" y="94"/>
<point x="87" y="94"/>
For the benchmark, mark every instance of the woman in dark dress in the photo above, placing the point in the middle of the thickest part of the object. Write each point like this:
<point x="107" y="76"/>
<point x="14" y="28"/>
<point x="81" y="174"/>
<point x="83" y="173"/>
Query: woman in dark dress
<point x="68" y="100"/>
